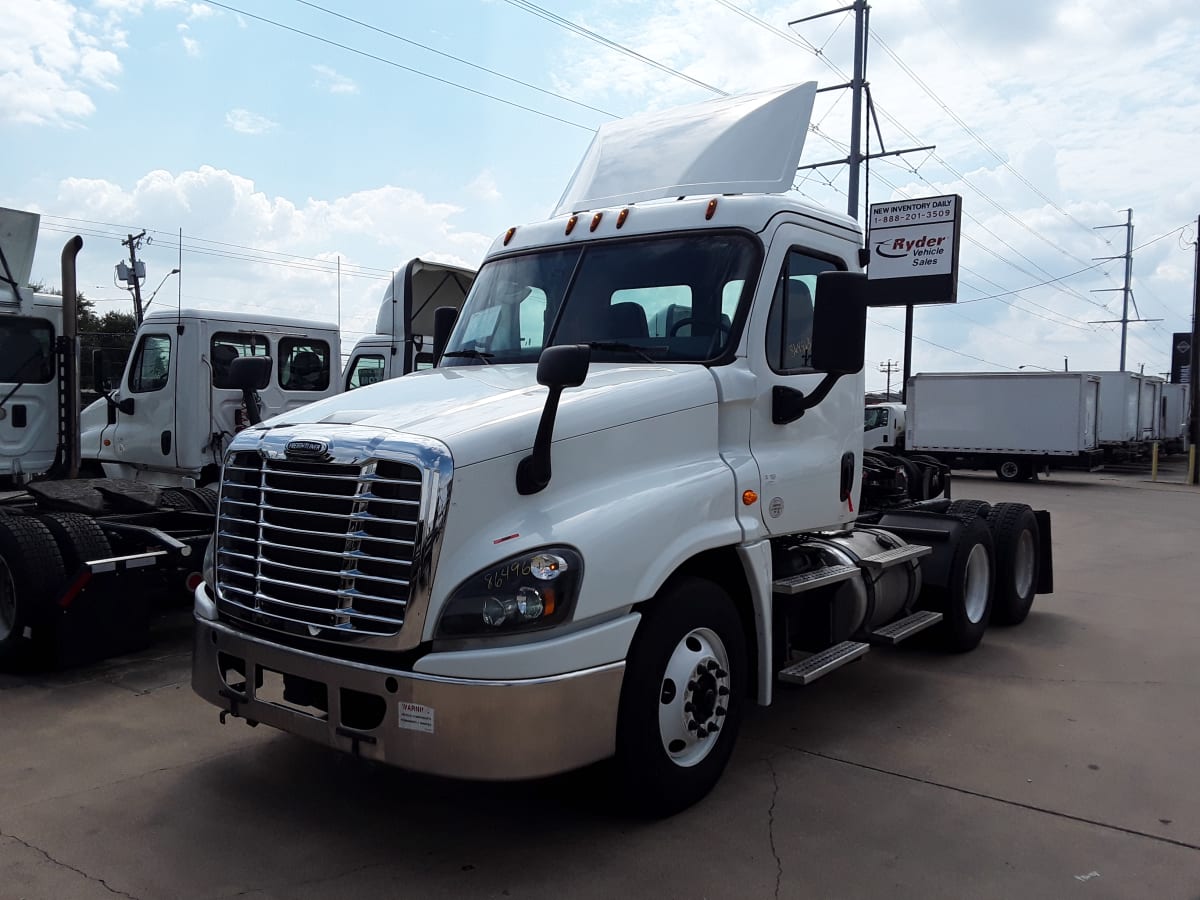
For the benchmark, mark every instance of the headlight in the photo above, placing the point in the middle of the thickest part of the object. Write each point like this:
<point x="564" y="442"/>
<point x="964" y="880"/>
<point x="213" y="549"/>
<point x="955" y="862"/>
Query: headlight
<point x="531" y="591"/>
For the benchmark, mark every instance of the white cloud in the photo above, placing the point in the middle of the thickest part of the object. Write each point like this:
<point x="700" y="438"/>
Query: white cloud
<point x="190" y="46"/>
<point x="51" y="57"/>
<point x="245" y="122"/>
<point x="483" y="186"/>
<point x="332" y="81"/>
<point x="373" y="231"/>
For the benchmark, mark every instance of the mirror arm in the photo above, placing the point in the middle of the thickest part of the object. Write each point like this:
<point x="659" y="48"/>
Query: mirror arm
<point x="789" y="404"/>
<point x="253" y="413"/>
<point x="533" y="472"/>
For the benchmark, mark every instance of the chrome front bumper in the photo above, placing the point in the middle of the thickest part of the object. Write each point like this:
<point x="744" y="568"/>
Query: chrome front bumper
<point x="495" y="730"/>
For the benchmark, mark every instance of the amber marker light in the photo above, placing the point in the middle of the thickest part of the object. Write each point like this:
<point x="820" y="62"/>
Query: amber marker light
<point x="621" y="217"/>
<point x="571" y="223"/>
<point x="749" y="498"/>
<point x="508" y="235"/>
<point x="712" y="208"/>
<point x="596" y="221"/>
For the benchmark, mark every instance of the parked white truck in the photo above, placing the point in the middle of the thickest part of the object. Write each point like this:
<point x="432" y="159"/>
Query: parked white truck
<point x="83" y="559"/>
<point x="883" y="426"/>
<point x="403" y="338"/>
<point x="1013" y="422"/>
<point x="624" y="504"/>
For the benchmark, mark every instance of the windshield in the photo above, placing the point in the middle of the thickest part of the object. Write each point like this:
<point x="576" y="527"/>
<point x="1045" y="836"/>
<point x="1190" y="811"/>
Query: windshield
<point x="877" y="417"/>
<point x="670" y="299"/>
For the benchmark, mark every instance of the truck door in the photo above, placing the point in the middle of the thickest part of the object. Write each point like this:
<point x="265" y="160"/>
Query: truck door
<point x="801" y="462"/>
<point x="226" y="417"/>
<point x="28" y="396"/>
<point x="366" y="367"/>
<point x="146" y="437"/>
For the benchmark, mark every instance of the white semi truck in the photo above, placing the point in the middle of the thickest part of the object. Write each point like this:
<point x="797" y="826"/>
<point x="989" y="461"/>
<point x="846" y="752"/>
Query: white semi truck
<point x="625" y="504"/>
<point x="107" y="512"/>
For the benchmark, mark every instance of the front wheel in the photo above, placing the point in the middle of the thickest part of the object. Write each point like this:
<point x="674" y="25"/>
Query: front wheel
<point x="681" y="700"/>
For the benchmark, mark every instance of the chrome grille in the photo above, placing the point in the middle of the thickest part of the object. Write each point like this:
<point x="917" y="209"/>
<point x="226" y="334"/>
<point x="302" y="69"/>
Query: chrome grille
<point x="324" y="549"/>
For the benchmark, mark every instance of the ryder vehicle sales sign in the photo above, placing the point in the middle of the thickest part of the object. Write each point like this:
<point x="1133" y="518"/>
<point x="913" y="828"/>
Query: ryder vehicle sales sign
<point x="914" y="251"/>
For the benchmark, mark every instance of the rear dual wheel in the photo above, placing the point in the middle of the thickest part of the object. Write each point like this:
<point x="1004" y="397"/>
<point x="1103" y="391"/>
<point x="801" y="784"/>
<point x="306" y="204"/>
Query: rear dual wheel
<point x="1017" y="540"/>
<point x="31" y="573"/>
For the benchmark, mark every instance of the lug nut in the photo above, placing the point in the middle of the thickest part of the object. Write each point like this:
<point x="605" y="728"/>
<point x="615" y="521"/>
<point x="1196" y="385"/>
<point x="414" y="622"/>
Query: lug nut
<point x="693" y="725"/>
<point x="712" y="728"/>
<point x="691" y="685"/>
<point x="722" y="691"/>
<point x="713" y="664"/>
<point x="721" y="673"/>
<point x="687" y="707"/>
<point x="720" y="710"/>
<point x="702" y="733"/>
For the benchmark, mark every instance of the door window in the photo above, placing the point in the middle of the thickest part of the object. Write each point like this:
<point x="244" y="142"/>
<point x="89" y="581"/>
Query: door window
<point x="366" y="369"/>
<point x="228" y="346"/>
<point x="151" y="364"/>
<point x="26" y="351"/>
<point x="789" y="323"/>
<point x="303" y="364"/>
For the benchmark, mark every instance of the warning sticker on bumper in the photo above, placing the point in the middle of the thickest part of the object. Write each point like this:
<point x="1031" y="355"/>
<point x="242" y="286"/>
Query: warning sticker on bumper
<point x="415" y="717"/>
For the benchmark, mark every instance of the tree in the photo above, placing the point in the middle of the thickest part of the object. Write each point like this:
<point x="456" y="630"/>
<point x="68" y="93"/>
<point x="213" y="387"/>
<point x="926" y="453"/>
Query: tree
<point x="112" y="333"/>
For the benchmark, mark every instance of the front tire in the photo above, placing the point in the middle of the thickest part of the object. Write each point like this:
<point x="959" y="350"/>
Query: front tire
<point x="681" y="699"/>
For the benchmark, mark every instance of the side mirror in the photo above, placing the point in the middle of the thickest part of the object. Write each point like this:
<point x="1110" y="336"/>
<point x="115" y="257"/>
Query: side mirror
<point x="839" y="336"/>
<point x="839" y="342"/>
<point x="250" y="374"/>
<point x="444" y="318"/>
<point x="98" y="383"/>
<point x="558" y="368"/>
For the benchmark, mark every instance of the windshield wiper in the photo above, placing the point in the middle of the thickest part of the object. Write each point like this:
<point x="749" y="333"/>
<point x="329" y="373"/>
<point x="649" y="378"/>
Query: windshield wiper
<point x="619" y="347"/>
<point x="469" y="354"/>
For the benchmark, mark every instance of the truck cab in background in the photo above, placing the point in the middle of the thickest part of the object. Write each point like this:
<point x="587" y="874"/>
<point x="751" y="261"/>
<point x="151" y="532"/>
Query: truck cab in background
<point x="404" y="330"/>
<point x="883" y="426"/>
<point x="177" y="405"/>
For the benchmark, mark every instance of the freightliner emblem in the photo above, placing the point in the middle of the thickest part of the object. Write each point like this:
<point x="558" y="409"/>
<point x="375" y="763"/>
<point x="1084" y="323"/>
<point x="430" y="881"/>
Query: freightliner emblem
<point x="306" y="448"/>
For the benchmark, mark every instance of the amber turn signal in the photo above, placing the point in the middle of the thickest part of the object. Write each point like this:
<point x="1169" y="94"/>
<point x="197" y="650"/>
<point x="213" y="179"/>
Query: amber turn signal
<point x="749" y="498"/>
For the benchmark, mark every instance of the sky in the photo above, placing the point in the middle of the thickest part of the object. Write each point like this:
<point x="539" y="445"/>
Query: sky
<point x="287" y="139"/>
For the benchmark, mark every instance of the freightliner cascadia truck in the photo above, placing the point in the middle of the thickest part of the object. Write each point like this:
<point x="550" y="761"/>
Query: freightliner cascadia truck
<point x="627" y="502"/>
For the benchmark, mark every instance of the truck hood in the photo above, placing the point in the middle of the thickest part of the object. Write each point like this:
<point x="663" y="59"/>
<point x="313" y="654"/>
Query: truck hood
<point x="482" y="412"/>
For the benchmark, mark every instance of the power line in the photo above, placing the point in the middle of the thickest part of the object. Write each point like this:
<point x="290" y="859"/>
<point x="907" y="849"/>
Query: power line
<point x="595" y="37"/>
<point x="394" y="64"/>
<point x="457" y="59"/>
<point x="943" y="347"/>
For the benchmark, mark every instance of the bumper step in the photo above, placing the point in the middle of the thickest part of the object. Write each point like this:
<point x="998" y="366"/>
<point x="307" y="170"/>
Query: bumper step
<point x="894" y="557"/>
<point x="807" y="581"/>
<point x="893" y="634"/>
<point x="806" y="671"/>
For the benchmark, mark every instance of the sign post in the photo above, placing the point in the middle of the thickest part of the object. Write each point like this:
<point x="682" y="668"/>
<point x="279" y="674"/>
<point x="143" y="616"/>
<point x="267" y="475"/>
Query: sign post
<point x="913" y="251"/>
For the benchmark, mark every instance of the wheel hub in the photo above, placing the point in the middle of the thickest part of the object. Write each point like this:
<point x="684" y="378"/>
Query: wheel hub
<point x="693" y="698"/>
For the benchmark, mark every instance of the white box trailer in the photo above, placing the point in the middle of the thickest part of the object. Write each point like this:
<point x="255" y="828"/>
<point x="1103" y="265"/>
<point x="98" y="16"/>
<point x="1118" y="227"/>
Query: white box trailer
<point x="1173" y="423"/>
<point x="1015" y="422"/>
<point x="1120" y="398"/>
<point x="1150" y="408"/>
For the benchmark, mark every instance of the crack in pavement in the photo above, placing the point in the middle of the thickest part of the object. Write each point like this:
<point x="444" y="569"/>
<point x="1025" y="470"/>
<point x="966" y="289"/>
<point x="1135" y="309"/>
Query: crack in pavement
<point x="58" y="862"/>
<point x="307" y="881"/>
<point x="771" y="825"/>
<point x="982" y="796"/>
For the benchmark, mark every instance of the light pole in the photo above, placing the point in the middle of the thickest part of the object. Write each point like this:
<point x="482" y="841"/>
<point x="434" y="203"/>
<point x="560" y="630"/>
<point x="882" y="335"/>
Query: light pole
<point x="157" y="289"/>
<point x="1032" y="366"/>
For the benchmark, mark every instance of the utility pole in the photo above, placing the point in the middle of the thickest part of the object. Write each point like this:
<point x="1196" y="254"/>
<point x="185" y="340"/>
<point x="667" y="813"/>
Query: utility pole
<point x="1194" y="365"/>
<point x="133" y="242"/>
<point x="1126" y="289"/>
<point x="860" y="88"/>
<point x="888" y="368"/>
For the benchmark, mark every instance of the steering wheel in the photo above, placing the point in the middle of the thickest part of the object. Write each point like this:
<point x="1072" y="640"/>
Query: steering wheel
<point x="721" y="326"/>
<point x="713" y="343"/>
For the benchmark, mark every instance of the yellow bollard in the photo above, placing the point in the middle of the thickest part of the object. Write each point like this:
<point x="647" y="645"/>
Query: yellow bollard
<point x="1154" y="462"/>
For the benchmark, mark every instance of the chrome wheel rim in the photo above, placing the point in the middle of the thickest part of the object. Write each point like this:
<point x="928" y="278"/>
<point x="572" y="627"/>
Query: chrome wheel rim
<point x="1023" y="563"/>
<point x="694" y="697"/>
<point x="975" y="584"/>
<point x="8" y="602"/>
